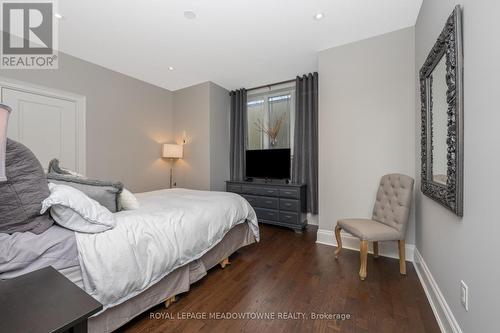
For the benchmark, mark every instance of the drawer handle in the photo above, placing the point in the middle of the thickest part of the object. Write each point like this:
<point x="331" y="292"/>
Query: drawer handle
<point x="288" y="204"/>
<point x="270" y="191"/>
<point x="269" y="202"/>
<point x="287" y="216"/>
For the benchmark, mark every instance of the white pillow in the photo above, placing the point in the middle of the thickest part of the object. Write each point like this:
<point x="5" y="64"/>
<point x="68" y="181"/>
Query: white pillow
<point x="74" y="210"/>
<point x="128" y="201"/>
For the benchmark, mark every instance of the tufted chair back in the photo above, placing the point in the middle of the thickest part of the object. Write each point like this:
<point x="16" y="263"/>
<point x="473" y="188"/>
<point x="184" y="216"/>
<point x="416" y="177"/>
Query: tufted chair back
<point x="393" y="202"/>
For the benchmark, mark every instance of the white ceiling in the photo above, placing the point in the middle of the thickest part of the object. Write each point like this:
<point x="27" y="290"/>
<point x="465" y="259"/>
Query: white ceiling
<point x="234" y="43"/>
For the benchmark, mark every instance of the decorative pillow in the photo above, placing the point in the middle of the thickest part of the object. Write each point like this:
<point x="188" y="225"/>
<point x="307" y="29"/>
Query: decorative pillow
<point x="74" y="210"/>
<point x="128" y="201"/>
<point x="105" y="193"/>
<point x="54" y="167"/>
<point x="22" y="194"/>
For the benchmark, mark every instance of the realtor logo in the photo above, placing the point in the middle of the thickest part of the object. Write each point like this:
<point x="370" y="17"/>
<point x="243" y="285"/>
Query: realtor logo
<point x="28" y="35"/>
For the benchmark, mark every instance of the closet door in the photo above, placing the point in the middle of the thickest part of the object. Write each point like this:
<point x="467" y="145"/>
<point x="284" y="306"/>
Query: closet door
<point x="46" y="125"/>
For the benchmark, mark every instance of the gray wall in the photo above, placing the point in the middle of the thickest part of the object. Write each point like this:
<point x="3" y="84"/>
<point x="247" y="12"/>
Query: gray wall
<point x="466" y="248"/>
<point x="366" y="106"/>
<point x="127" y="119"/>
<point x="219" y="137"/>
<point x="202" y="112"/>
<point x="192" y="106"/>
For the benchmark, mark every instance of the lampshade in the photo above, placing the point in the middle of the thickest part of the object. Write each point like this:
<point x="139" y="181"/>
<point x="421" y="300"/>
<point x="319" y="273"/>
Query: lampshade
<point x="4" y="118"/>
<point x="172" y="150"/>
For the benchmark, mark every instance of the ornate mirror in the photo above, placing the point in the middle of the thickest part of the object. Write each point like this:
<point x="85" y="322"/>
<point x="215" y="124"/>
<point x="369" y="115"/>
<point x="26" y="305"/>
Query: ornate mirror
<point x="441" y="95"/>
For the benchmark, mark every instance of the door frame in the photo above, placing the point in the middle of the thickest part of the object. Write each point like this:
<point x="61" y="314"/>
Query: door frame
<point x="79" y="100"/>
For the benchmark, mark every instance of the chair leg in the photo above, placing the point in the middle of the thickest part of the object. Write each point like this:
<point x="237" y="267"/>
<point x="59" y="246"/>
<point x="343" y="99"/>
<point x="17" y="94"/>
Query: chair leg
<point x="363" y="253"/>
<point x="402" y="259"/>
<point x="375" y="249"/>
<point x="339" y="241"/>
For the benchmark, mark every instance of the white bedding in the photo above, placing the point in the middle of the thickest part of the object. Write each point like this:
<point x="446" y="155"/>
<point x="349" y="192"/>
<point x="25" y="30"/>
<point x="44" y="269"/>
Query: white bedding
<point x="171" y="228"/>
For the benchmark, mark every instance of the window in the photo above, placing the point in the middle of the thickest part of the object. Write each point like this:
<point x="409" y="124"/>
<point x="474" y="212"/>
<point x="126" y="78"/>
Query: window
<point x="271" y="119"/>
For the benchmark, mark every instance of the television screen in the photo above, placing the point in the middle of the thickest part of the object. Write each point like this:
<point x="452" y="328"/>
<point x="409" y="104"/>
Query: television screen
<point x="268" y="163"/>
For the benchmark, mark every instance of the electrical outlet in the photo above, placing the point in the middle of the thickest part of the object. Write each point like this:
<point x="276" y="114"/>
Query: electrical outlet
<point x="464" y="295"/>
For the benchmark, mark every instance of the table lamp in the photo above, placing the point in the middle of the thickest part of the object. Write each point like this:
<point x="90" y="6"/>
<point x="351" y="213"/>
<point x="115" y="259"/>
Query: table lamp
<point x="173" y="152"/>
<point x="4" y="119"/>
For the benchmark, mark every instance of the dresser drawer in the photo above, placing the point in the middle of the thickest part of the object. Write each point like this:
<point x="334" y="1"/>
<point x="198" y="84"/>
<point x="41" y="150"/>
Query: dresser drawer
<point x="247" y="189"/>
<point x="267" y="202"/>
<point x="236" y="188"/>
<point x="293" y="193"/>
<point x="252" y="199"/>
<point x="270" y="191"/>
<point x="288" y="217"/>
<point x="261" y="202"/>
<point x="260" y="190"/>
<point x="289" y="205"/>
<point x="267" y="214"/>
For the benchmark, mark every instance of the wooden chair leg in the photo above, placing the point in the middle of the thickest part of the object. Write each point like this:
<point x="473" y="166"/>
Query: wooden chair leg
<point x="402" y="259"/>
<point x="170" y="301"/>
<point x="363" y="253"/>
<point x="375" y="249"/>
<point x="224" y="263"/>
<point x="339" y="241"/>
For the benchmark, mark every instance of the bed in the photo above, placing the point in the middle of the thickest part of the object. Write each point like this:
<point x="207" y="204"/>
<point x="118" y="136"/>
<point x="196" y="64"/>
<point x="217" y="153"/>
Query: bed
<point x="173" y="240"/>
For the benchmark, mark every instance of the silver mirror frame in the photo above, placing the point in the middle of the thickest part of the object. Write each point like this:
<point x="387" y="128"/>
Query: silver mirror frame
<point x="4" y="120"/>
<point x="449" y="44"/>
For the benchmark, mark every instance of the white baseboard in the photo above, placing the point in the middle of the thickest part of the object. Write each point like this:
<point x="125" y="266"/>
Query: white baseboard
<point x="385" y="249"/>
<point x="445" y="318"/>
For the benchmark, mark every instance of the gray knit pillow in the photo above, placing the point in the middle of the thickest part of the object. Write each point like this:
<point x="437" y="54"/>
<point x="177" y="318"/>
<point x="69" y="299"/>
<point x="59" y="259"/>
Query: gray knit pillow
<point x="22" y="194"/>
<point x="104" y="192"/>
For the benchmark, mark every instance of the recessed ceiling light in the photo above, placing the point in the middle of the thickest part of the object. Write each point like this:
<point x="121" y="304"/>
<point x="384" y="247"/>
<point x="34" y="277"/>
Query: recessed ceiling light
<point x="58" y="16"/>
<point x="189" y="14"/>
<point x="170" y="68"/>
<point x="319" y="16"/>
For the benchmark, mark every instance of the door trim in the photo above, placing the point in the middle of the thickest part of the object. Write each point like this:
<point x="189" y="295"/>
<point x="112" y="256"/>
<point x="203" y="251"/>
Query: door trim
<point x="79" y="100"/>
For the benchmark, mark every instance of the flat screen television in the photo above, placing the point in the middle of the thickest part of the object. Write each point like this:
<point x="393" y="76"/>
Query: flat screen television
<point x="268" y="163"/>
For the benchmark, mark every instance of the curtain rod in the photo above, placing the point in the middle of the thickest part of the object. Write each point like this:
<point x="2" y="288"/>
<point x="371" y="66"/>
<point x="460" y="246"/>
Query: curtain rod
<point x="271" y="84"/>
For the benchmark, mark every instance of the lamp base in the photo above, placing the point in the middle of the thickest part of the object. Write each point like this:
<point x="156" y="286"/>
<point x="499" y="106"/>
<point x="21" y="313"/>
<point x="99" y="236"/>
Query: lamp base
<point x="171" y="176"/>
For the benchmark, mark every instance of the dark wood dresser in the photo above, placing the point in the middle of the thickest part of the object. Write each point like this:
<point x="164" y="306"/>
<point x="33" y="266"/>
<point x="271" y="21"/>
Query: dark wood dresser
<point x="279" y="204"/>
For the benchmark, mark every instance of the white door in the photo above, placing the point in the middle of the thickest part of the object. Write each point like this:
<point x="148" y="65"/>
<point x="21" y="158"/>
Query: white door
<point x="47" y="125"/>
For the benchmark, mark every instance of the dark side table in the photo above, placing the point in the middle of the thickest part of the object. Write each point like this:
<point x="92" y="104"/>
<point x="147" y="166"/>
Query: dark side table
<point x="44" y="301"/>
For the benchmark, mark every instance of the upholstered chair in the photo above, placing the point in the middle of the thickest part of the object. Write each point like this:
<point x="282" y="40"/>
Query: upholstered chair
<point x="388" y="222"/>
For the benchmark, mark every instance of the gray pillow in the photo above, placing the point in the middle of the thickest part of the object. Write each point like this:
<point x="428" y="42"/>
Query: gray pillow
<point x="55" y="168"/>
<point x="105" y="193"/>
<point x="22" y="194"/>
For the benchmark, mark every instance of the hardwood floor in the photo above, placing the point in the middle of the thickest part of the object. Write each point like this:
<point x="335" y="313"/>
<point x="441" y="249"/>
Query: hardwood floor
<point x="288" y="273"/>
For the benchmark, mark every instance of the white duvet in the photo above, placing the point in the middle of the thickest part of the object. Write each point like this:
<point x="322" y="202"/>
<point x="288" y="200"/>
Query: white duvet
<point x="170" y="229"/>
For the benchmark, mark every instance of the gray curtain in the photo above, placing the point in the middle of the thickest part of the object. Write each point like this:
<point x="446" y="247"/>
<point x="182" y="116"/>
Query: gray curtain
<point x="305" y="151"/>
<point x="238" y="133"/>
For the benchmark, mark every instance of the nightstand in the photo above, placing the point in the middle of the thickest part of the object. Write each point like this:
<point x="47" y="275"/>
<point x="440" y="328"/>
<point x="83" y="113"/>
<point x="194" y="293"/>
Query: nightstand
<point x="44" y="301"/>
